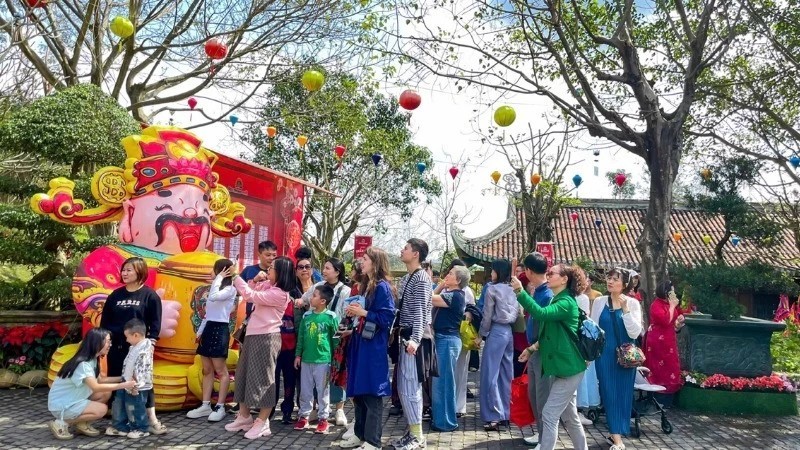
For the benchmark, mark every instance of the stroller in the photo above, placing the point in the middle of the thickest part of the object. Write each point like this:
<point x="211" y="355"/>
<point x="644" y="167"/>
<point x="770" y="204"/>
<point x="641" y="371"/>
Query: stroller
<point x="645" y="403"/>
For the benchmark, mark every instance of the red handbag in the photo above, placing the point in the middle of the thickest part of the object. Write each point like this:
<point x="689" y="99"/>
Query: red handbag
<point x="521" y="411"/>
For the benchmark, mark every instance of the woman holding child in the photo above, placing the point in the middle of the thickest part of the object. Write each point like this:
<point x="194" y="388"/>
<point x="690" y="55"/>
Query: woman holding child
<point x="135" y="300"/>
<point x="79" y="393"/>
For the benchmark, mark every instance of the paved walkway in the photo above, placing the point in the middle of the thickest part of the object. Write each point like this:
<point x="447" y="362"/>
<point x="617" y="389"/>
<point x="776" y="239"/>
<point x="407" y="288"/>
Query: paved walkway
<point x="24" y="414"/>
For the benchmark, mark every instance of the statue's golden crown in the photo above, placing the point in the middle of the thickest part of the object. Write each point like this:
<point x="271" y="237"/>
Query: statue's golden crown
<point x="158" y="158"/>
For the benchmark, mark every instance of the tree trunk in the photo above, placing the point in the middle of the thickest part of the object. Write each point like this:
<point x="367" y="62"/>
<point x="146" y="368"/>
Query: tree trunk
<point x="664" y="153"/>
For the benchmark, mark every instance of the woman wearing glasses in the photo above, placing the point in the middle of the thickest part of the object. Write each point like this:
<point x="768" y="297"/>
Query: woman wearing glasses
<point x="559" y="353"/>
<point x="333" y="275"/>
<point x="620" y="317"/>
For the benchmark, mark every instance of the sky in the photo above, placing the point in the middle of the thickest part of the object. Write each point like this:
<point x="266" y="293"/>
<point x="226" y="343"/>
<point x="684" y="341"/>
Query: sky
<point x="445" y="123"/>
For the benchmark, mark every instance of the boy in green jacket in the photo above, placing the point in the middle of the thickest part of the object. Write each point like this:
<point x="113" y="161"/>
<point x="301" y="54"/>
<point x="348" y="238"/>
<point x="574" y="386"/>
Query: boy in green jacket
<point x="558" y="328"/>
<point x="314" y="344"/>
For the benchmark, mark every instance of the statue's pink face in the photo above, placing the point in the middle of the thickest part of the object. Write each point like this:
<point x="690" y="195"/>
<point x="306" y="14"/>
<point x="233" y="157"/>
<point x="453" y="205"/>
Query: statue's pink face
<point x="175" y="219"/>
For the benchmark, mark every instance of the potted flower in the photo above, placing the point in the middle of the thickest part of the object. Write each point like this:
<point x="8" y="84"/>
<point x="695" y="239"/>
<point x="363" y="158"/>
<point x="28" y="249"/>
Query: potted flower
<point x="719" y="340"/>
<point x="26" y="351"/>
<point x="772" y="395"/>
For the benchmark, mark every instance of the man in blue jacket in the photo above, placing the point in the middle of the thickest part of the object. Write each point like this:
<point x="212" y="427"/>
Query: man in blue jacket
<point x="538" y="385"/>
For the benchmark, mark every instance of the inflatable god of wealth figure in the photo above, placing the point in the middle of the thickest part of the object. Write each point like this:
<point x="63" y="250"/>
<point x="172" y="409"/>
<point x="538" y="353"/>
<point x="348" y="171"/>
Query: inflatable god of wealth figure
<point x="167" y="202"/>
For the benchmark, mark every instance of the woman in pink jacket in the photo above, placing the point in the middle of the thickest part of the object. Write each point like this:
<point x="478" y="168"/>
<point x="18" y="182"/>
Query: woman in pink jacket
<point x="255" y="372"/>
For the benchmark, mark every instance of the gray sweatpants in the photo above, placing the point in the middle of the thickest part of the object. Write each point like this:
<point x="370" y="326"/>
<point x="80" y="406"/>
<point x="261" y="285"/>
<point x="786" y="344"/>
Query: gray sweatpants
<point x="315" y="376"/>
<point x="538" y="388"/>
<point x="561" y="403"/>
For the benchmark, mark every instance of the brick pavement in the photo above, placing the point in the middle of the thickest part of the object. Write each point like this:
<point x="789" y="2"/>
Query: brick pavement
<point x="24" y="415"/>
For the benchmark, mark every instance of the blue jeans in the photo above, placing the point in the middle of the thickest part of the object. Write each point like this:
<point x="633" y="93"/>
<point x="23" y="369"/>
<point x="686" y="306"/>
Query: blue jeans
<point x="443" y="389"/>
<point x="128" y="412"/>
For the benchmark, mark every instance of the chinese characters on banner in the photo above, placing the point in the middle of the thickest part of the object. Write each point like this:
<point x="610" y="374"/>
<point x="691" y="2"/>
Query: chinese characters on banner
<point x="362" y="243"/>
<point x="546" y="249"/>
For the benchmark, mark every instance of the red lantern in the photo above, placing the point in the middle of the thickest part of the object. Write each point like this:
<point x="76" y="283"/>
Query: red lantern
<point x="410" y="100"/>
<point x="453" y="172"/>
<point x="192" y="102"/>
<point x="620" y="179"/>
<point x="37" y="3"/>
<point x="216" y="49"/>
<point x="573" y="216"/>
<point x="340" y="149"/>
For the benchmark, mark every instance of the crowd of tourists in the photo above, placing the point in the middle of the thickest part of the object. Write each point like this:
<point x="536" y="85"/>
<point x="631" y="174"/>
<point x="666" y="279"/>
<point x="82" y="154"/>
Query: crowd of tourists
<point x="327" y="336"/>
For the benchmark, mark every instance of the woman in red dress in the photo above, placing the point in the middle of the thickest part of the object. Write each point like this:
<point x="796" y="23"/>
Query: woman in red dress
<point x="662" y="343"/>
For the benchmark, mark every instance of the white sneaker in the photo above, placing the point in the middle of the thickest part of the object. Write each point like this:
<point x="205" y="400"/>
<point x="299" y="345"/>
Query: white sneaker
<point x="351" y="442"/>
<point x="368" y="446"/>
<point x="217" y="414"/>
<point x="341" y="419"/>
<point x="584" y="420"/>
<point x="532" y="441"/>
<point x="201" y="411"/>
<point x="351" y="431"/>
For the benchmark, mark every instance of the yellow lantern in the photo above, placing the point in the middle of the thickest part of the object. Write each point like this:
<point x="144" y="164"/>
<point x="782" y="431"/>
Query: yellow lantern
<point x="505" y="116"/>
<point x="313" y="80"/>
<point x="301" y="140"/>
<point x="121" y="27"/>
<point x="706" y="239"/>
<point x="623" y="228"/>
<point x="496" y="176"/>
<point x="536" y="179"/>
<point x="272" y="131"/>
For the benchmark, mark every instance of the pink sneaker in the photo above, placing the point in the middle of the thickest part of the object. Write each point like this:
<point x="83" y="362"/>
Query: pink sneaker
<point x="240" y="424"/>
<point x="260" y="429"/>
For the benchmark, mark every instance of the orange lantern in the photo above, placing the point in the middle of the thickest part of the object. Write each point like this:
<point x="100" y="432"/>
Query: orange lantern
<point x="536" y="179"/>
<point x="272" y="131"/>
<point x="496" y="176"/>
<point x="677" y="236"/>
<point x="301" y="140"/>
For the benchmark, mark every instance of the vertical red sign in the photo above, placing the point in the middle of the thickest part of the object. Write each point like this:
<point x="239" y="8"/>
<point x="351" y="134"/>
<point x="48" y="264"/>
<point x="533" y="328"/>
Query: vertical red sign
<point x="362" y="243"/>
<point x="546" y="249"/>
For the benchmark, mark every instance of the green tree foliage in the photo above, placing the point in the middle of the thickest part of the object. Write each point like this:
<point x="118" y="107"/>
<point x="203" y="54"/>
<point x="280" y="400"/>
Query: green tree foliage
<point x="785" y="349"/>
<point x="724" y="197"/>
<point x="714" y="286"/>
<point x="80" y="127"/>
<point x="68" y="134"/>
<point x="626" y="71"/>
<point x="353" y="114"/>
<point x="164" y="61"/>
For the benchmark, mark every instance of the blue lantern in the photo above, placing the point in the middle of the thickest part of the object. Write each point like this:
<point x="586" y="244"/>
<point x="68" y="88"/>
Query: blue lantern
<point x="376" y="159"/>
<point x="735" y="240"/>
<point x="233" y="119"/>
<point x="421" y="167"/>
<point x="598" y="222"/>
<point x="577" y="180"/>
<point x="795" y="161"/>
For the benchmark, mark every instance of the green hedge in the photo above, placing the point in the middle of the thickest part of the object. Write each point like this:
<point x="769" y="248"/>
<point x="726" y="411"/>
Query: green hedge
<point x="711" y="401"/>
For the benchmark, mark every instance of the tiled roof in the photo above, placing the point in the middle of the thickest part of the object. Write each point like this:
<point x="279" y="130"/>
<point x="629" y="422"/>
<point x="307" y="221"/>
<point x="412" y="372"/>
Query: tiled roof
<point x="608" y="247"/>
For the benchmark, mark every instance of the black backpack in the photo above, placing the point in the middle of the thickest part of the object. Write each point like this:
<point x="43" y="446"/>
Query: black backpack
<point x="589" y="347"/>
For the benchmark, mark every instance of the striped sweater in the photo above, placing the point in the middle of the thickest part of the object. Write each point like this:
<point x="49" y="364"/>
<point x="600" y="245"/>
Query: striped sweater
<point x="416" y="305"/>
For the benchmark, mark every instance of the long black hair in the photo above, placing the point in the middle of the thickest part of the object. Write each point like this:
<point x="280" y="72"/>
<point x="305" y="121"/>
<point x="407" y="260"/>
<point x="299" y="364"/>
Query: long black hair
<point x="285" y="277"/>
<point x="338" y="265"/>
<point x="219" y="266"/>
<point x="502" y="267"/>
<point x="91" y="345"/>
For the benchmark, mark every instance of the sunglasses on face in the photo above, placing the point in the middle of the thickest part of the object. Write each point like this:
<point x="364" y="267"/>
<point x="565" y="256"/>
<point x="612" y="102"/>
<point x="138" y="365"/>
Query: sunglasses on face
<point x="304" y="267"/>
